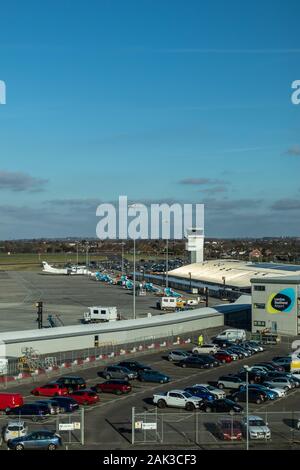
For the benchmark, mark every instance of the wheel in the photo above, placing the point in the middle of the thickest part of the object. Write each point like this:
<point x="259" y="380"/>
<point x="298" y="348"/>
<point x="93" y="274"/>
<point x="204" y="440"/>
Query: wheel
<point x="170" y="359"/>
<point x="56" y="395"/>
<point x="126" y="378"/>
<point x="118" y="392"/>
<point x="258" y="401"/>
<point x="223" y="361"/>
<point x="141" y="379"/>
<point x="7" y="410"/>
<point x="71" y="390"/>
<point x="211" y="352"/>
<point x="51" y="447"/>
<point x="286" y="388"/>
<point x="231" y="412"/>
<point x="221" y="385"/>
<point x="19" y="447"/>
<point x="252" y="381"/>
<point x="34" y="418"/>
<point x="36" y="393"/>
<point x="161" y="404"/>
<point x="208" y="409"/>
<point x="183" y="365"/>
<point x="190" y="406"/>
<point x="98" y="390"/>
<point x="107" y="376"/>
<point x="236" y="399"/>
<point x="85" y="403"/>
<point x="161" y="381"/>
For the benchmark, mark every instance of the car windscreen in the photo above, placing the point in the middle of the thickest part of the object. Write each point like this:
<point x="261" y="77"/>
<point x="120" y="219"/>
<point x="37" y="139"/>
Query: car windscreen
<point x="256" y="422"/>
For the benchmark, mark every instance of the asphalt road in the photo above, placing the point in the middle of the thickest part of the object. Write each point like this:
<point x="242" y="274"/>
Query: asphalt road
<point x="108" y="423"/>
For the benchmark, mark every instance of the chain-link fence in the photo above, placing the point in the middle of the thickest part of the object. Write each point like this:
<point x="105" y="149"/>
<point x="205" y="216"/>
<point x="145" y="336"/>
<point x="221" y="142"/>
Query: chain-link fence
<point x="70" y="426"/>
<point x="212" y="430"/>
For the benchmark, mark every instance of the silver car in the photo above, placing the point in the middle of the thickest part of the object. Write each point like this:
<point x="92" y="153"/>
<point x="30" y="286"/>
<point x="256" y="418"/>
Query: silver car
<point x="118" y="372"/>
<point x="15" y="429"/>
<point x="177" y="355"/>
<point x="257" y="429"/>
<point x="214" y="390"/>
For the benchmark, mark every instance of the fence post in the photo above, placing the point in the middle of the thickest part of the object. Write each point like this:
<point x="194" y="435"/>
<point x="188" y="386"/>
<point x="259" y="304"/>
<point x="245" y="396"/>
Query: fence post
<point x="132" y="424"/>
<point x="196" y="427"/>
<point x="82" y="426"/>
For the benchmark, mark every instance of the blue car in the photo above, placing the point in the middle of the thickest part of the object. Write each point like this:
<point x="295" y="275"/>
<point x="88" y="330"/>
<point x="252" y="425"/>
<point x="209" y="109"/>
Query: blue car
<point x="271" y="394"/>
<point x="153" y="376"/>
<point x="200" y="392"/>
<point x="39" y="440"/>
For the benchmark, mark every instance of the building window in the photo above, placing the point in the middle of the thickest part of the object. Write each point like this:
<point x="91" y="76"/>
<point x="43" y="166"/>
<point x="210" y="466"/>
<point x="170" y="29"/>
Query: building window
<point x="261" y="288"/>
<point x="259" y="323"/>
<point x="262" y="306"/>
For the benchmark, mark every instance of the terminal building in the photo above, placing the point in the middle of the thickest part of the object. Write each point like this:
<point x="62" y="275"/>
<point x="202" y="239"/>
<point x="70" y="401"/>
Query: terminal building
<point x="276" y="304"/>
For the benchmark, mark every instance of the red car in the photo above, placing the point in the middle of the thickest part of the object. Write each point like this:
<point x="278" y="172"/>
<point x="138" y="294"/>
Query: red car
<point x="114" y="386"/>
<point x="50" y="390"/>
<point x="229" y="430"/>
<point x="84" y="397"/>
<point x="223" y="357"/>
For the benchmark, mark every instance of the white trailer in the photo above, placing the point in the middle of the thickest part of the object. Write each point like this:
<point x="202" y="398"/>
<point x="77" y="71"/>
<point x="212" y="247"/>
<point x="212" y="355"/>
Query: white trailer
<point x="100" y="314"/>
<point x="168" y="303"/>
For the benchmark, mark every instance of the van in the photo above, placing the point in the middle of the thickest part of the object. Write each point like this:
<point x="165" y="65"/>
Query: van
<point x="233" y="335"/>
<point x="9" y="401"/>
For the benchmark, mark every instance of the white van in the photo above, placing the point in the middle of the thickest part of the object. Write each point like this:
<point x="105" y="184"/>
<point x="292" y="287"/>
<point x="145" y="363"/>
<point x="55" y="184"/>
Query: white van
<point x="233" y="335"/>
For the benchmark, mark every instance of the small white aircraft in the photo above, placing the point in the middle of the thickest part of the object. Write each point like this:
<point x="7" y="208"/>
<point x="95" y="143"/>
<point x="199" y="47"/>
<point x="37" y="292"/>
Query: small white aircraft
<point x="48" y="269"/>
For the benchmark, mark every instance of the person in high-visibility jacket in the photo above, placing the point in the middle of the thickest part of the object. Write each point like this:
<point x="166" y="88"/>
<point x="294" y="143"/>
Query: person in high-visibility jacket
<point x="200" y="340"/>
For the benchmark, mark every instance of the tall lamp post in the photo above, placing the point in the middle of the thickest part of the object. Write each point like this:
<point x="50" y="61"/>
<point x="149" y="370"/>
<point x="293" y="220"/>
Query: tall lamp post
<point x="247" y="406"/>
<point x="134" y="206"/>
<point x="166" y="221"/>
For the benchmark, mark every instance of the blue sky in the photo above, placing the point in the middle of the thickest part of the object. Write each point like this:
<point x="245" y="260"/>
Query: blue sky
<point x="155" y="99"/>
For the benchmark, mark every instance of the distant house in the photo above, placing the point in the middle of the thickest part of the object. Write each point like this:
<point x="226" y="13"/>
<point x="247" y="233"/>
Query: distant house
<point x="255" y="253"/>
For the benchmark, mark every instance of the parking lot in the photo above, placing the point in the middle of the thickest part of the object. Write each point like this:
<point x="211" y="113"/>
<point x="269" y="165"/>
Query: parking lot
<point x="108" y="423"/>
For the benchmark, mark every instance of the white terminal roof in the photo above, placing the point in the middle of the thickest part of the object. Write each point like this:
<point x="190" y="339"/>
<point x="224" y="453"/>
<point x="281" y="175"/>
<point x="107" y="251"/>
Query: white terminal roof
<point x="236" y="273"/>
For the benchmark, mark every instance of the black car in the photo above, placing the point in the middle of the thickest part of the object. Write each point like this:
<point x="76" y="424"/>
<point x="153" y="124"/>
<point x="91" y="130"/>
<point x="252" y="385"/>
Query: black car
<point x="223" y="343"/>
<point x="195" y="362"/>
<point x="254" y="396"/>
<point x="223" y="405"/>
<point x="66" y="404"/>
<point x="71" y="382"/>
<point x="209" y="359"/>
<point x="271" y="365"/>
<point x="254" y="377"/>
<point x="134" y="366"/>
<point x="284" y="363"/>
<point x="35" y="411"/>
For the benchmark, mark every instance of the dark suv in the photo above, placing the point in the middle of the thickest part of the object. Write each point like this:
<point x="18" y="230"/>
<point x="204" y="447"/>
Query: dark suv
<point x="254" y="396"/>
<point x="134" y="366"/>
<point x="72" y="382"/>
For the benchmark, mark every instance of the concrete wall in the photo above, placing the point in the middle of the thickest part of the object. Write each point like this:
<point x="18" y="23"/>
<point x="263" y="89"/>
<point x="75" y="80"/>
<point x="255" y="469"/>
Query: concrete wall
<point x="79" y="337"/>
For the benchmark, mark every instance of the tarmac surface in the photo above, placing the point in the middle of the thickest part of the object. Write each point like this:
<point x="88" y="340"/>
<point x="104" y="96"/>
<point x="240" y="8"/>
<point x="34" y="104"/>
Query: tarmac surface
<point x="66" y="296"/>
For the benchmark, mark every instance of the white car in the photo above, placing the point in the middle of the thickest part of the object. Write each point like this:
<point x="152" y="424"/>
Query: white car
<point x="15" y="429"/>
<point x="206" y="349"/>
<point x="258" y="429"/>
<point x="276" y="388"/>
<point x="214" y="390"/>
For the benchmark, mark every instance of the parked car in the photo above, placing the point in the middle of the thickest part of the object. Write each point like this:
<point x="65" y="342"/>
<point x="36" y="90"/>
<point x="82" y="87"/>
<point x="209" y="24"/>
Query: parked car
<point x="279" y="390"/>
<point x="33" y="410"/>
<point x="51" y="389"/>
<point x="254" y="345"/>
<point x="40" y="440"/>
<point x="230" y="381"/>
<point x="284" y="362"/>
<point x="66" y="404"/>
<point x="85" y="397"/>
<point x="223" y="405"/>
<point x="153" y="376"/>
<point x="254" y="396"/>
<point x="272" y="366"/>
<point x="282" y="381"/>
<point x="205" y="349"/>
<point x="223" y="357"/>
<point x="116" y="386"/>
<point x="176" y="399"/>
<point x="229" y="430"/>
<point x="71" y="382"/>
<point x="15" y="429"/>
<point x="213" y="390"/>
<point x="195" y="362"/>
<point x="257" y="429"/>
<point x="134" y="366"/>
<point x="254" y="376"/>
<point x="118" y="372"/>
<point x="271" y="394"/>
<point x="233" y="354"/>
<point x="222" y="343"/>
<point x="239" y="353"/>
<point x="177" y="355"/>
<point x="53" y="406"/>
<point x="9" y="401"/>
<point x="199" y="392"/>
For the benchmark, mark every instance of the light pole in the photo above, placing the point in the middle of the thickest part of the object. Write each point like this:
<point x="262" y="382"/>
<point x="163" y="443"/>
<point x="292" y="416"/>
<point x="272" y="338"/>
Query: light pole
<point x="247" y="406"/>
<point x="167" y="256"/>
<point x="122" y="258"/>
<point x="134" y="315"/>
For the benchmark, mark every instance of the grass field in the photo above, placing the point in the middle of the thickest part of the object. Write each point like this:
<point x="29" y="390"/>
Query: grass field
<point x="33" y="261"/>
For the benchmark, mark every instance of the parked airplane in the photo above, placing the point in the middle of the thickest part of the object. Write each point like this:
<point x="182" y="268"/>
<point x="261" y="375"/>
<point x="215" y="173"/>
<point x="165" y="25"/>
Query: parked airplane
<point x="48" y="269"/>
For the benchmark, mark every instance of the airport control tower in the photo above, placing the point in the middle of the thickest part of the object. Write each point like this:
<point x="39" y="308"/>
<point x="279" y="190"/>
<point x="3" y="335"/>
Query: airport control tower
<point x="195" y="244"/>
